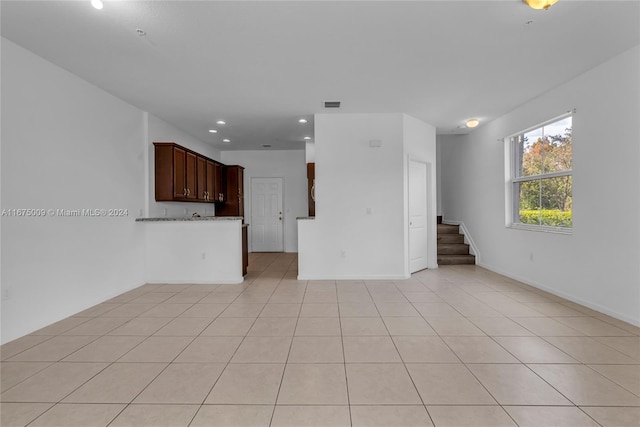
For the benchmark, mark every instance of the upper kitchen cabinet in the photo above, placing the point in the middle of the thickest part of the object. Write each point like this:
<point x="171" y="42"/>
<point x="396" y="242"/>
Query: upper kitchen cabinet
<point x="220" y="184"/>
<point x="207" y="180"/>
<point x="183" y="175"/>
<point x="234" y="205"/>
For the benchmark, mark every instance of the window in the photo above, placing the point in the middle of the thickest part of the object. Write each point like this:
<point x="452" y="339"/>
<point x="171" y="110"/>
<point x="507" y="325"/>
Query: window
<point x="541" y="179"/>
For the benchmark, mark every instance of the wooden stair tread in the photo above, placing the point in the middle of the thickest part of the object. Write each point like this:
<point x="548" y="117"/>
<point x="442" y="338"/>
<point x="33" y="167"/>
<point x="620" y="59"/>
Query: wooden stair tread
<point x="452" y="250"/>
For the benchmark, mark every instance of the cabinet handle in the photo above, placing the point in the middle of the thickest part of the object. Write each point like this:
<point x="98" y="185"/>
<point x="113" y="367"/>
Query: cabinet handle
<point x="184" y="193"/>
<point x="313" y="191"/>
<point x="188" y="192"/>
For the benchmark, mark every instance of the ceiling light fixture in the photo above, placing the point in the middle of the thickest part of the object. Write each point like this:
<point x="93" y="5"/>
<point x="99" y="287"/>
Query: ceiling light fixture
<point x="226" y="140"/>
<point x="221" y="122"/>
<point x="97" y="4"/>
<point x="213" y="131"/>
<point x="306" y="138"/>
<point x="471" y="123"/>
<point x="540" y="4"/>
<point x="302" y="121"/>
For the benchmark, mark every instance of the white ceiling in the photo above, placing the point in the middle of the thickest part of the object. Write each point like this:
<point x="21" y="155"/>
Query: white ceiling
<point x="261" y="65"/>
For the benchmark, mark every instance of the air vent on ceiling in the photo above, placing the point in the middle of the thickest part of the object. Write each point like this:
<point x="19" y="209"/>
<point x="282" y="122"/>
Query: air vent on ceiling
<point x="331" y="104"/>
<point x="266" y="145"/>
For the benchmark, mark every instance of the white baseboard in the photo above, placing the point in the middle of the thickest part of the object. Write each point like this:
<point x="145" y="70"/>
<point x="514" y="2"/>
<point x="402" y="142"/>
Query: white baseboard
<point x="353" y="277"/>
<point x="222" y="281"/>
<point x="567" y="296"/>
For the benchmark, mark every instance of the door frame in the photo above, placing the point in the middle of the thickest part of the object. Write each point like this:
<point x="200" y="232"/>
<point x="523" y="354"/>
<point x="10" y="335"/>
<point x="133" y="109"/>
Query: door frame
<point x="430" y="219"/>
<point x="284" y="218"/>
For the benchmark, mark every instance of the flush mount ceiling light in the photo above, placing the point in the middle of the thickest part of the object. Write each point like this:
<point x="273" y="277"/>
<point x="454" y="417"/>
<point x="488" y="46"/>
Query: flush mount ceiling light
<point x="307" y="138"/>
<point x="302" y="121"/>
<point x="226" y="141"/>
<point x="213" y="131"/>
<point x="471" y="123"/>
<point x="97" y="4"/>
<point x="221" y="122"/>
<point x="540" y="4"/>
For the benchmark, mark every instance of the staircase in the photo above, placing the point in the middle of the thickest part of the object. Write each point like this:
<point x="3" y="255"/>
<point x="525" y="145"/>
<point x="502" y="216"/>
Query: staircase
<point x="452" y="250"/>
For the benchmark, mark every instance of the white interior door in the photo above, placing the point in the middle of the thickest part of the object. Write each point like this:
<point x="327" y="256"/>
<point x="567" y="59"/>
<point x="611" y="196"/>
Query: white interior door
<point x="266" y="215"/>
<point x="417" y="216"/>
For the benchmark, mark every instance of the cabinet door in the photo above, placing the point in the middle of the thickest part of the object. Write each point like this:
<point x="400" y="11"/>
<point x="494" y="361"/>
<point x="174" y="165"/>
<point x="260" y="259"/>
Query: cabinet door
<point x="190" y="174"/>
<point x="179" y="183"/>
<point x="201" y="179"/>
<point x="220" y="184"/>
<point x="210" y="181"/>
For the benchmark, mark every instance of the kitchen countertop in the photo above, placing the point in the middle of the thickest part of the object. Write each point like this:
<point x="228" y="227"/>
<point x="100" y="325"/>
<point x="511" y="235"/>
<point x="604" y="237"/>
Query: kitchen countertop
<point x="305" y="217"/>
<point x="189" y="218"/>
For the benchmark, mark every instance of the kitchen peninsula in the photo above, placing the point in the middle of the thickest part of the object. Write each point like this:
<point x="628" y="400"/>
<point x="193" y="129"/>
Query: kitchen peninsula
<point x="195" y="250"/>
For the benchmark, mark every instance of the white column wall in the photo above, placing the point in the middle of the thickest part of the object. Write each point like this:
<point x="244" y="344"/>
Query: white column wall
<point x="360" y="230"/>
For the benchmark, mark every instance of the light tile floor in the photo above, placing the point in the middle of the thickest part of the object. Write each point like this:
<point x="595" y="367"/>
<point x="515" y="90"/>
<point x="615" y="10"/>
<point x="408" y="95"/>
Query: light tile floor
<point x="456" y="346"/>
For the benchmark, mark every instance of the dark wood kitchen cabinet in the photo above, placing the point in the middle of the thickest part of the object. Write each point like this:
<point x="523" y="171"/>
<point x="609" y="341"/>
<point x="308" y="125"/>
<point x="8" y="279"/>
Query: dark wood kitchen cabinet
<point x="245" y="248"/>
<point x="206" y="177"/>
<point x="220" y="184"/>
<point x="182" y="175"/>
<point x="175" y="173"/>
<point x="311" y="188"/>
<point x="234" y="205"/>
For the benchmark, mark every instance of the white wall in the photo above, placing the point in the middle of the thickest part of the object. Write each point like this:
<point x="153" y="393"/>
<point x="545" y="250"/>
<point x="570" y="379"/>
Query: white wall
<point x="598" y="264"/>
<point x="66" y="145"/>
<point x="344" y="241"/>
<point x="289" y="165"/>
<point x="310" y="152"/>
<point x="161" y="131"/>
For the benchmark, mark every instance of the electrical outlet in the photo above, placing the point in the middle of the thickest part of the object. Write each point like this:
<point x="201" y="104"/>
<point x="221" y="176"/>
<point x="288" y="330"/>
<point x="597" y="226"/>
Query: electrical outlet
<point x="204" y="255"/>
<point x="6" y="294"/>
<point x="531" y="256"/>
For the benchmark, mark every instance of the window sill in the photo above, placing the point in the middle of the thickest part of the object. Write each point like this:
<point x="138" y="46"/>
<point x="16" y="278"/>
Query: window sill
<point x="541" y="228"/>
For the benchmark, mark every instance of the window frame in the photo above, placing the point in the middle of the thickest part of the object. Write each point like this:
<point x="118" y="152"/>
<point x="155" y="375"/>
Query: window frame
<point x="513" y="189"/>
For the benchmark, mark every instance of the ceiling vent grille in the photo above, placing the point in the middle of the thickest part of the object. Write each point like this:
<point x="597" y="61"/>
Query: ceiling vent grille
<point x="331" y="104"/>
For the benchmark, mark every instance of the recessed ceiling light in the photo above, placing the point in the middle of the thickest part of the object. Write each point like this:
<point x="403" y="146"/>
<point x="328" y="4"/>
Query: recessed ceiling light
<point x="226" y="140"/>
<point x="303" y="121"/>
<point x="471" y="123"/>
<point x="213" y="131"/>
<point x="221" y="122"/>
<point x="306" y="138"/>
<point x="97" y="4"/>
<point x="140" y="32"/>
